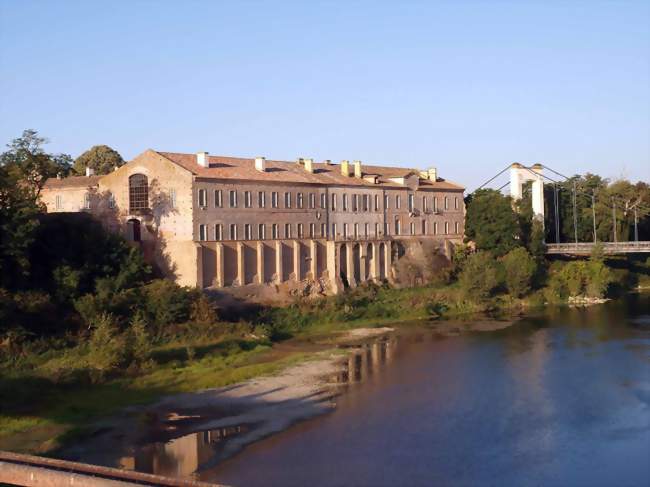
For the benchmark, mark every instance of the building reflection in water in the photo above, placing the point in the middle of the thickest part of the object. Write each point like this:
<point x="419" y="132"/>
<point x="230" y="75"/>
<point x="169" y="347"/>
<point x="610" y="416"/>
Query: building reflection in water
<point x="183" y="457"/>
<point x="180" y="457"/>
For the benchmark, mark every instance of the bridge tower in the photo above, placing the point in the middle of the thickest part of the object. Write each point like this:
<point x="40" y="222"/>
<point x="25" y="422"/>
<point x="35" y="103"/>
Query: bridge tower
<point x="520" y="174"/>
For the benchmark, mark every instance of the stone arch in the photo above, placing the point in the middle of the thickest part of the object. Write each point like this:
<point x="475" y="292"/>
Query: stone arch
<point x="369" y="261"/>
<point x="343" y="264"/>
<point x="133" y="230"/>
<point x="356" y="262"/>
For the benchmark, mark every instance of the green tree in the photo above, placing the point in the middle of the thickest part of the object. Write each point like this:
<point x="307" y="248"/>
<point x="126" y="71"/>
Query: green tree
<point x="101" y="158"/>
<point x="519" y="267"/>
<point x="28" y="165"/>
<point x="480" y="276"/>
<point x="491" y="222"/>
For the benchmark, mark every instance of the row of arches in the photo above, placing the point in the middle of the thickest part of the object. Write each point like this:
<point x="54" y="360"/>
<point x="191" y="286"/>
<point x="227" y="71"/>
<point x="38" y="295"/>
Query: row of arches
<point x="363" y="261"/>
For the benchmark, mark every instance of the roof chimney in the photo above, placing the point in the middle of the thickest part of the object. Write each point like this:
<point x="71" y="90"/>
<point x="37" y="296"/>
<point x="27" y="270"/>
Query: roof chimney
<point x="357" y="169"/>
<point x="202" y="159"/>
<point x="309" y="165"/>
<point x="89" y="171"/>
<point x="260" y="164"/>
<point x="345" y="168"/>
<point x="433" y="174"/>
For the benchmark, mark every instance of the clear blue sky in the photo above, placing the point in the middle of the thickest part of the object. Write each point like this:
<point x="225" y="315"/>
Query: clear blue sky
<point x="465" y="86"/>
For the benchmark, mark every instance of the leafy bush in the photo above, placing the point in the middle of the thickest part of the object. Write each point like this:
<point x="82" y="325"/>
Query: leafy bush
<point x="519" y="268"/>
<point x="480" y="276"/>
<point x="107" y="348"/>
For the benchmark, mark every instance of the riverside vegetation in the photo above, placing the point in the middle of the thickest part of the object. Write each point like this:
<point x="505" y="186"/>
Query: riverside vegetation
<point x="87" y="327"/>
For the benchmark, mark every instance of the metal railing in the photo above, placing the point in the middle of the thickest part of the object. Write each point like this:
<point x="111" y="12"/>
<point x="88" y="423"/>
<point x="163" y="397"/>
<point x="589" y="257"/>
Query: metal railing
<point x="608" y="247"/>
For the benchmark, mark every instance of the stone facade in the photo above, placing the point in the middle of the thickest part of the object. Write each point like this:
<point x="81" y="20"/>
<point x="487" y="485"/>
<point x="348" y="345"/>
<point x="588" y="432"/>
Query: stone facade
<point x="222" y="221"/>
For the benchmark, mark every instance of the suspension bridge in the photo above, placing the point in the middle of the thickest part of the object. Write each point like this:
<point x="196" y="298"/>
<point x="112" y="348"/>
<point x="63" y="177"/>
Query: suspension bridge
<point x="520" y="175"/>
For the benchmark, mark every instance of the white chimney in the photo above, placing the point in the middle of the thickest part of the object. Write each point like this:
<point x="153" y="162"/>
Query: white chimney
<point x="260" y="164"/>
<point x="89" y="171"/>
<point x="202" y="159"/>
<point x="309" y="165"/>
<point x="433" y="174"/>
<point x="357" y="169"/>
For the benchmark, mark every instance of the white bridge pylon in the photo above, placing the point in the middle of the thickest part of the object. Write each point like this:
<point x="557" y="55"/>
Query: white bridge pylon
<point x="519" y="175"/>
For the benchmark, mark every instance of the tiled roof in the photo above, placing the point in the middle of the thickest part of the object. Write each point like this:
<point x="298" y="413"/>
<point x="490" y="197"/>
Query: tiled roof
<point x="73" y="182"/>
<point x="293" y="172"/>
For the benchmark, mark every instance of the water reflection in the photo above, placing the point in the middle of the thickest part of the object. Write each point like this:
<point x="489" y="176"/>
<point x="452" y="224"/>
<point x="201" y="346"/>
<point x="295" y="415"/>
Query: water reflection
<point x="180" y="457"/>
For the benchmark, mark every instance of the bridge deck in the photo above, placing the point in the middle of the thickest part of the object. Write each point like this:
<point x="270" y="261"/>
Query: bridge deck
<point x="28" y="470"/>
<point x="609" y="248"/>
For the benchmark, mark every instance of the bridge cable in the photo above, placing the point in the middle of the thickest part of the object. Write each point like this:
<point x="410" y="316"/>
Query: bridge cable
<point x="492" y="179"/>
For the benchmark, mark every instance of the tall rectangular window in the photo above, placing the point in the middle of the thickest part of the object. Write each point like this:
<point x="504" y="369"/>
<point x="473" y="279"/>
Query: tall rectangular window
<point x="377" y="202"/>
<point x="365" y="202"/>
<point x="333" y="230"/>
<point x="59" y="202"/>
<point x="446" y="203"/>
<point x="261" y="231"/>
<point x="435" y="228"/>
<point x="300" y="230"/>
<point x="323" y="230"/>
<point x="345" y="202"/>
<point x="356" y="230"/>
<point x="366" y="229"/>
<point x="333" y="202"/>
<point x="87" y="201"/>
<point x="355" y="202"/>
<point x="233" y="199"/>
<point x="287" y="200"/>
<point x="287" y="230"/>
<point x="345" y="230"/>
<point x="376" y="229"/>
<point x="386" y="228"/>
<point x="398" y="201"/>
<point x="456" y="228"/>
<point x="323" y="200"/>
<point x="218" y="198"/>
<point x="385" y="202"/>
<point x="398" y="226"/>
<point x="274" y="231"/>
<point x="203" y="198"/>
<point x="172" y="198"/>
<point x="299" y="200"/>
<point x="261" y="199"/>
<point x="446" y="228"/>
<point x="424" y="227"/>
<point x="456" y="203"/>
<point x="312" y="230"/>
<point x="410" y="202"/>
<point x="233" y="231"/>
<point x="218" y="231"/>
<point x="435" y="204"/>
<point x="312" y="200"/>
<point x="412" y="228"/>
<point x="203" y="232"/>
<point x="274" y="199"/>
<point x="248" y="232"/>
<point x="248" y="199"/>
<point x="424" y="203"/>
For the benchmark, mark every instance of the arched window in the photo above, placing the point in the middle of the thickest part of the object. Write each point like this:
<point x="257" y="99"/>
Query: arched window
<point x="138" y="192"/>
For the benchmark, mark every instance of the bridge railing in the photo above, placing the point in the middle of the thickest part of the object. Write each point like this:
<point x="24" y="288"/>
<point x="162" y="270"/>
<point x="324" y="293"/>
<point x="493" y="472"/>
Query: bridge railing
<point x="608" y="247"/>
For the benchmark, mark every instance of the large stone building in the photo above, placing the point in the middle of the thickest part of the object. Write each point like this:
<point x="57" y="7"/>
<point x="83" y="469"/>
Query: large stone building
<point x="226" y="221"/>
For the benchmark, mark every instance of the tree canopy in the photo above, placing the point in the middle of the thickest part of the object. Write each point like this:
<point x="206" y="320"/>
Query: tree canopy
<point x="491" y="222"/>
<point x="101" y="158"/>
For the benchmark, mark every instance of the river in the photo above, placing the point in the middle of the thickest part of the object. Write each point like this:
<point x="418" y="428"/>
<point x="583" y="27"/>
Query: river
<point x="559" y="398"/>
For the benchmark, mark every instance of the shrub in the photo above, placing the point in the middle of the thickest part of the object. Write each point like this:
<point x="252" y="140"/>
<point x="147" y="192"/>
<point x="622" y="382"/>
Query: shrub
<point x="519" y="268"/>
<point x="139" y="340"/>
<point x="599" y="278"/>
<point x="480" y="276"/>
<point x="202" y="311"/>
<point x="165" y="302"/>
<point x="107" y="348"/>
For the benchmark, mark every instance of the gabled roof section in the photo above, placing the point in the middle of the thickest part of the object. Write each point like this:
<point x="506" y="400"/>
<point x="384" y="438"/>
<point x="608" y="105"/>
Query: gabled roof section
<point x="72" y="182"/>
<point x="239" y="168"/>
